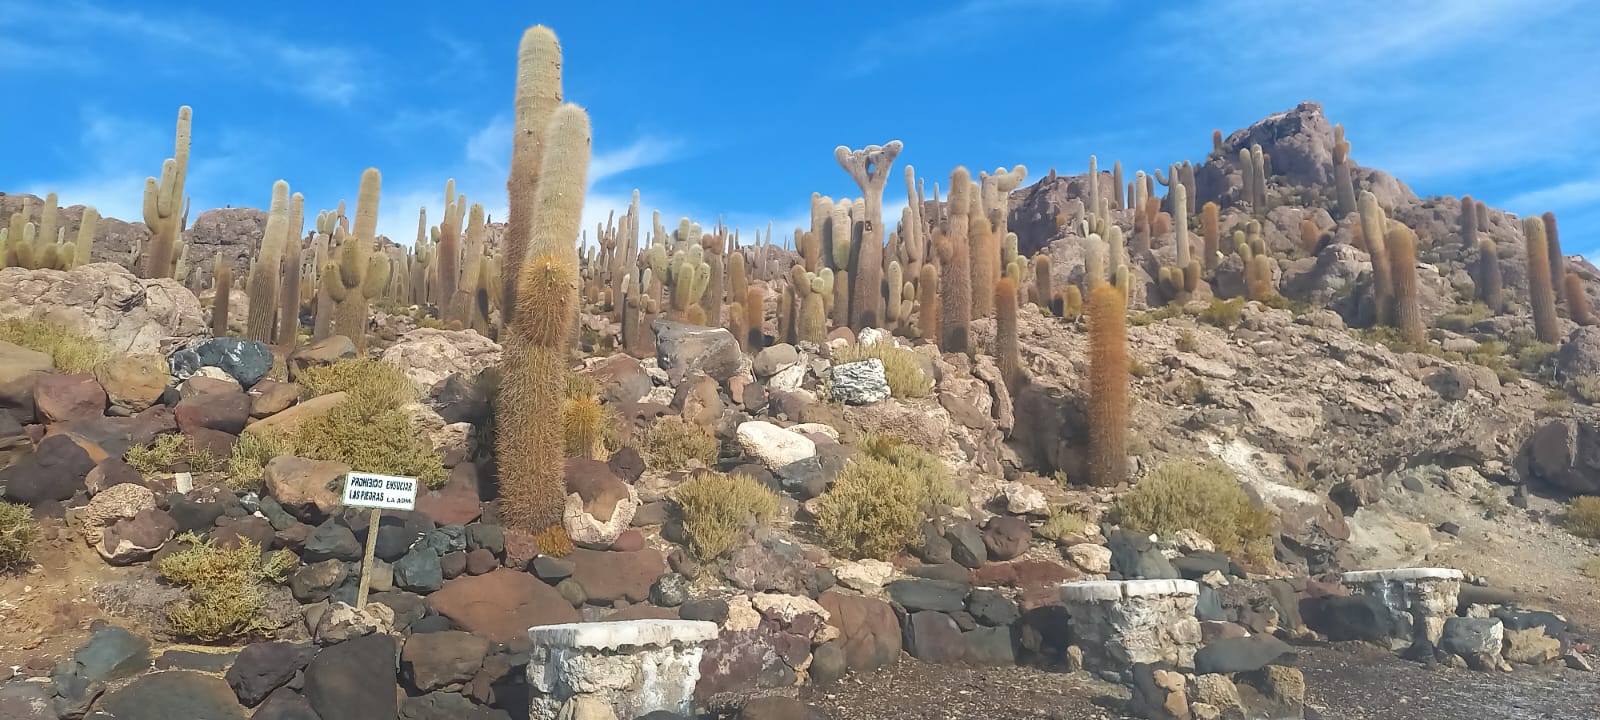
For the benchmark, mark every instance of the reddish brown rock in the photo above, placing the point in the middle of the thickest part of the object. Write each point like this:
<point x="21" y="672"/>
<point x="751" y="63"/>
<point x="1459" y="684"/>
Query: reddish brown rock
<point x="621" y="379"/>
<point x="134" y="382"/>
<point x="113" y="471"/>
<point x="308" y="489"/>
<point x="51" y="473"/>
<point x="457" y="502"/>
<point x="1006" y="538"/>
<point x="501" y="605"/>
<point x="216" y="443"/>
<point x="867" y="627"/>
<point x="270" y="397"/>
<point x="137" y="538"/>
<point x="610" y="576"/>
<point x="57" y="398"/>
<point x="629" y="541"/>
<point x="481" y="561"/>
<point x="225" y="412"/>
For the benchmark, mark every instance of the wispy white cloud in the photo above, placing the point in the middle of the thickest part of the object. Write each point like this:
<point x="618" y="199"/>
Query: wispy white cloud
<point x="324" y="72"/>
<point x="1557" y="197"/>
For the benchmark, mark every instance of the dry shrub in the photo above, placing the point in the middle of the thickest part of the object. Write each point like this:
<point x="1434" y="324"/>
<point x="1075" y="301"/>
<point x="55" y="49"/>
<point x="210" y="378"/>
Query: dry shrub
<point x="225" y="598"/>
<point x="1583" y="517"/>
<point x="72" y="353"/>
<point x="936" y="487"/>
<point x="878" y="502"/>
<point x="17" y="534"/>
<point x="1223" y="313"/>
<point x="901" y="367"/>
<point x="169" y="450"/>
<point x="718" y="508"/>
<point x="368" y="431"/>
<point x="1064" y="524"/>
<point x="376" y="382"/>
<point x="247" y="464"/>
<point x="672" y="443"/>
<point x="1204" y="497"/>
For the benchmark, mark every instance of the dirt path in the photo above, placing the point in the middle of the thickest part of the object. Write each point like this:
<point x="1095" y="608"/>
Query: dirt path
<point x="45" y="611"/>
<point x="1347" y="682"/>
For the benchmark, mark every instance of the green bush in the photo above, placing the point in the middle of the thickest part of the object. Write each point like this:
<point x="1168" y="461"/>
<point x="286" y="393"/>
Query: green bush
<point x="935" y="486"/>
<point x="17" y="534"/>
<point x="371" y="380"/>
<point x="1461" y="320"/>
<point x="1063" y="524"/>
<point x="672" y="443"/>
<point x="247" y="464"/>
<point x="1187" y="342"/>
<point x="369" y="437"/>
<point x="1223" y="313"/>
<point x="169" y="450"/>
<point x="901" y="367"/>
<point x="72" y="353"/>
<point x="1204" y="497"/>
<point x="717" y="508"/>
<point x="225" y="598"/>
<point x="1583" y="516"/>
<point x="873" y="510"/>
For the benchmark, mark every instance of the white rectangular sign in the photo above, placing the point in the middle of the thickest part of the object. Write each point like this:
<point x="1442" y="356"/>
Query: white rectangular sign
<point x="381" y="492"/>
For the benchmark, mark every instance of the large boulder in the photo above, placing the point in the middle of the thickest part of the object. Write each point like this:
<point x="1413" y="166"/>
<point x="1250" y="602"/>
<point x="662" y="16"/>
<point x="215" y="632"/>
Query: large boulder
<point x="173" y="694"/>
<point x="19" y="370"/>
<point x="599" y="505"/>
<point x="868" y="630"/>
<point x="133" y="382"/>
<point x="291" y="419"/>
<point x="773" y="446"/>
<point x="247" y="361"/>
<point x="58" y="398"/>
<point x="54" y="471"/>
<point x="682" y="349"/>
<point x="859" y="383"/>
<point x="428" y="356"/>
<point x="264" y="667"/>
<point x="320" y="353"/>
<point x="433" y="661"/>
<point x="115" y="503"/>
<point x="107" y="303"/>
<point x="1580" y="354"/>
<point x="355" y="680"/>
<point x="1565" y="452"/>
<point x="308" y="489"/>
<point x="502" y="605"/>
<point x="608" y="576"/>
<point x="137" y="538"/>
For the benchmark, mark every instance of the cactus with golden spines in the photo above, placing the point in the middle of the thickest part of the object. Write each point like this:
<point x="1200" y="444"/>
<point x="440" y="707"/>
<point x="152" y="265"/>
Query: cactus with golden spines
<point x="1043" y="284"/>
<point x="1183" y="279"/>
<point x="288" y="327"/>
<point x="263" y="287"/>
<point x="83" y="249"/>
<point x="1344" y="188"/>
<point x="165" y="205"/>
<point x="1374" y="225"/>
<point x="891" y="310"/>
<point x="812" y="323"/>
<point x="538" y="95"/>
<point x="1210" y="235"/>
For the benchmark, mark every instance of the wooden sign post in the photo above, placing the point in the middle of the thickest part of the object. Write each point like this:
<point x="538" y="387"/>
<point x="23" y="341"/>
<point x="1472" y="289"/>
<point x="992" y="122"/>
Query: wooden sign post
<point x="379" y="493"/>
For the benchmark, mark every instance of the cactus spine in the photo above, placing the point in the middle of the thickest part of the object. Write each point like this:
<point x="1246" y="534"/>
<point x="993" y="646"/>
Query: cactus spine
<point x="84" y="250"/>
<point x="164" y="205"/>
<point x="263" y="286"/>
<point x="1402" y="245"/>
<point x="538" y="95"/>
<point x="289" y="292"/>
<point x="531" y="445"/>
<point x="1344" y="189"/>
<point x="1108" y="387"/>
<point x="955" y="299"/>
<point x="1540" y="290"/>
<point x="1373" y="227"/>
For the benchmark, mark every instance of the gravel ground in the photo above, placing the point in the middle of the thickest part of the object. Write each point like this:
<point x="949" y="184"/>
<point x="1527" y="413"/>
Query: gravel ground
<point x="1347" y="682"/>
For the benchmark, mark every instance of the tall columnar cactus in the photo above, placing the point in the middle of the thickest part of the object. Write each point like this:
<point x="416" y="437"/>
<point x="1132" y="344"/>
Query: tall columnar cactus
<point x="1373" y="226"/>
<point x="1248" y="179"/>
<point x="984" y="263"/>
<point x="1007" y="351"/>
<point x="164" y="204"/>
<point x="916" y="245"/>
<point x="1402" y="245"/>
<point x="1142" y="212"/>
<point x="449" y="260"/>
<point x="1094" y="186"/>
<point x="755" y="315"/>
<point x="323" y="263"/>
<point x="711" y="301"/>
<point x="1043" y="290"/>
<point x="996" y="194"/>
<point x="1116" y="185"/>
<point x="1469" y="222"/>
<point x="1483" y="214"/>
<point x="1577" y="299"/>
<point x="1259" y="158"/>
<point x="84" y="250"/>
<point x="1541" y="293"/>
<point x="221" y="289"/>
<point x="1108" y="387"/>
<point x="530" y="442"/>
<point x="538" y="95"/>
<point x="1487" y="275"/>
<point x="288" y="330"/>
<point x="466" y="308"/>
<point x="1182" y="279"/>
<point x="955" y="298"/>
<point x="1210" y="233"/>
<point x="48" y="218"/>
<point x="928" y="303"/>
<point x="891" y="310"/>
<point x="264" y="272"/>
<point x="360" y="274"/>
<point x="869" y="167"/>
<point x="1558" y="261"/>
<point x="1344" y="189"/>
<point x="812" y="322"/>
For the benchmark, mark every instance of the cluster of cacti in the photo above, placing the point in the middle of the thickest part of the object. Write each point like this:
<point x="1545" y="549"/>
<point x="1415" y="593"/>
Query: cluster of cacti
<point x="1180" y="281"/>
<point x="1181" y="174"/>
<point x="1253" y="171"/>
<point x="1258" y="265"/>
<point x="329" y="224"/>
<point x="1344" y="189"/>
<point x="869" y="167"/>
<point x="166" y="210"/>
<point x="1374" y="224"/>
<point x="44" y="246"/>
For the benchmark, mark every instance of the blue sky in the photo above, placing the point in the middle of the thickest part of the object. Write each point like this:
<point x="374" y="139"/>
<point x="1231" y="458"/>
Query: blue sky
<point x="734" y="108"/>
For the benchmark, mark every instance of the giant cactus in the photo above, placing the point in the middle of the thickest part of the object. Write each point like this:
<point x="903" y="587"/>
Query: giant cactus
<point x="1541" y="290"/>
<point x="1007" y="351"/>
<point x="164" y="204"/>
<point x="1108" y="387"/>
<point x="1558" y="261"/>
<point x="1373" y="226"/>
<point x="955" y="298"/>
<point x="1402" y="245"/>
<point x="84" y="250"/>
<point x="221" y="289"/>
<point x="360" y="274"/>
<point x="1469" y="222"/>
<point x="869" y="167"/>
<point x="538" y="95"/>
<point x="1490" y="282"/>
<point x="264" y="272"/>
<point x="530" y="442"/>
<point x="289" y="290"/>
<point x="1344" y="189"/>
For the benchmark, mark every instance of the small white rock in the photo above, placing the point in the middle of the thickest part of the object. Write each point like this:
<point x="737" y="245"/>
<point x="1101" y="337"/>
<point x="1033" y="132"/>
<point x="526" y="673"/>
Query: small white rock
<point x="1090" y="558"/>
<point x="815" y="429"/>
<point x="873" y="336"/>
<point x="773" y="446"/>
<point x="865" y="575"/>
<point x="1214" y="579"/>
<point x="1191" y="541"/>
<point x="1023" y="499"/>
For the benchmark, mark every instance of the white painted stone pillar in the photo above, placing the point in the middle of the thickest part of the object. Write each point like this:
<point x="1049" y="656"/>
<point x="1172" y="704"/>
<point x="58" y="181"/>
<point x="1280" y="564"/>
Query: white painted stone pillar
<point x="635" y="666"/>
<point x="1120" y="623"/>
<point x="1420" y="598"/>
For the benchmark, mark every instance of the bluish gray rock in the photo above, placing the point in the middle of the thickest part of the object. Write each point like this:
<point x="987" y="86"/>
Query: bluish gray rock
<point x="859" y="383"/>
<point x="419" y="571"/>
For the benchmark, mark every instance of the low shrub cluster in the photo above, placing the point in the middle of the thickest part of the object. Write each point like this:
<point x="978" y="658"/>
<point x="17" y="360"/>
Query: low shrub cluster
<point x="369" y="431"/>
<point x="72" y="353"/>
<point x="1583" y="516"/>
<point x="169" y="450"/>
<point x="880" y="499"/>
<point x="17" y="534"/>
<point x="1204" y="497"/>
<point x="672" y="443"/>
<point x="225" y="594"/>
<point x="717" y="509"/>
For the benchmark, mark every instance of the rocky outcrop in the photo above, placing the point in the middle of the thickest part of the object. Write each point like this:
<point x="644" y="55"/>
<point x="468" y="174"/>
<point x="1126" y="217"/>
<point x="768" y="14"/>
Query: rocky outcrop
<point x="428" y="356"/>
<point x="106" y="302"/>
